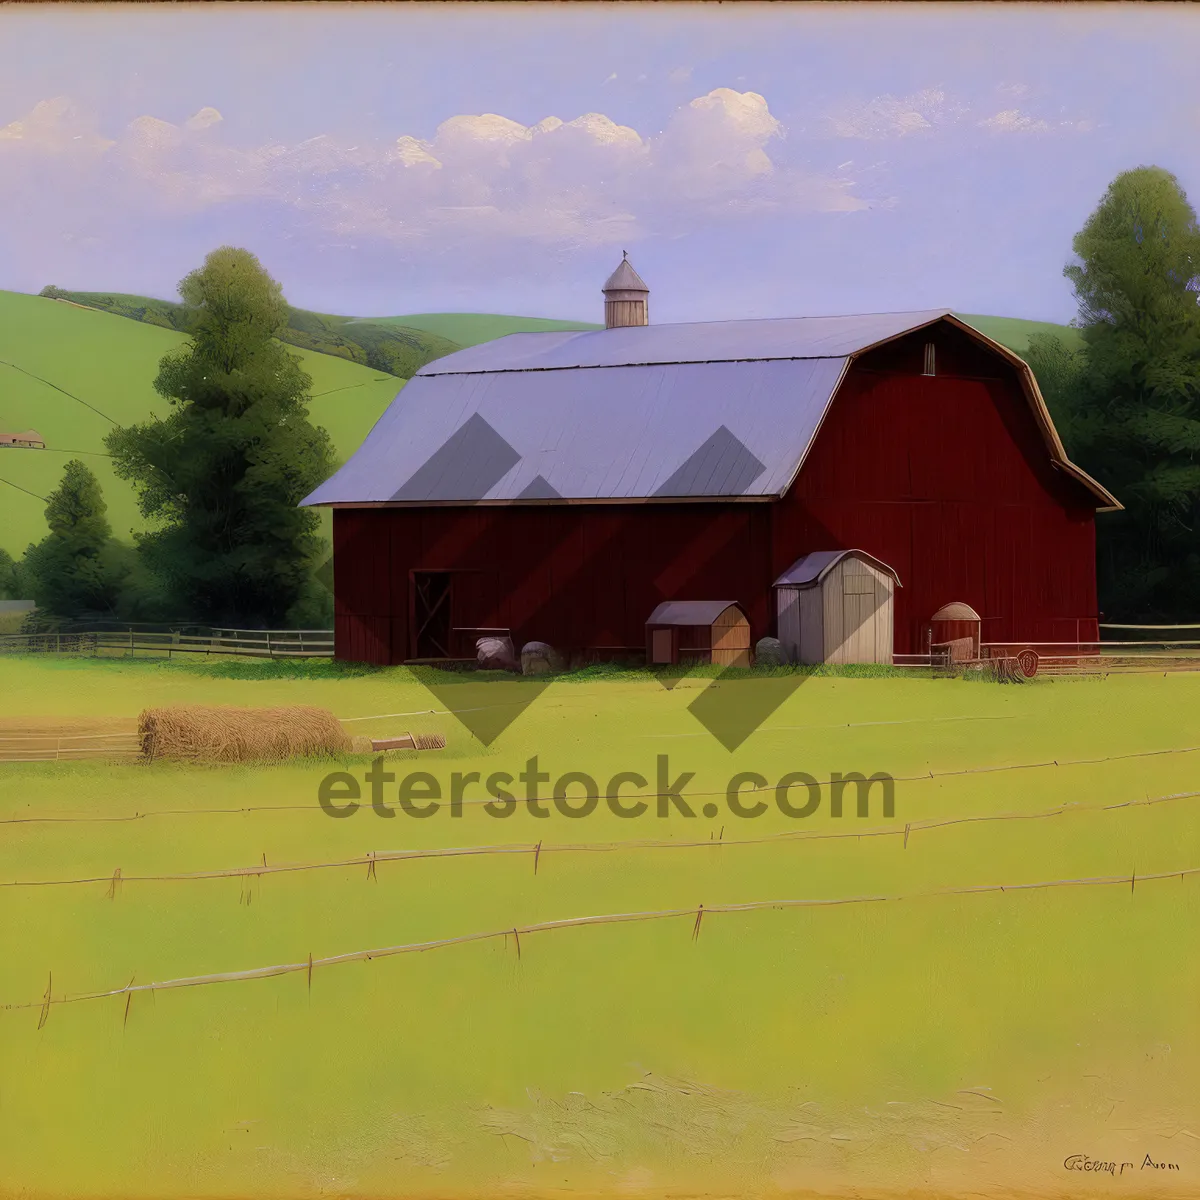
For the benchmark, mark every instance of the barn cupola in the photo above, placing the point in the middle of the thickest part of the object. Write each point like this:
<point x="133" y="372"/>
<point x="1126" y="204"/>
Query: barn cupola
<point x="626" y="298"/>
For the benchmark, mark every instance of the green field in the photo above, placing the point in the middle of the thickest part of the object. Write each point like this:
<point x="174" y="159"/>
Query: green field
<point x="108" y="364"/>
<point x="469" y="329"/>
<point x="1014" y="332"/>
<point x="909" y="1042"/>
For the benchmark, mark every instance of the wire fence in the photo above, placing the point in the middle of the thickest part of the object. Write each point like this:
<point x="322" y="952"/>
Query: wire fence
<point x="693" y="914"/>
<point x="688" y="795"/>
<point x="109" y="643"/>
<point x="536" y="851"/>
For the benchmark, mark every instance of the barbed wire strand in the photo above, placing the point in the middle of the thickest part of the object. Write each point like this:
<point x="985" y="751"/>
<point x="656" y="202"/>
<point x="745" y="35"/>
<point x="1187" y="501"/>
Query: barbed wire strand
<point x="696" y="795"/>
<point x="310" y="963"/>
<point x="371" y="858"/>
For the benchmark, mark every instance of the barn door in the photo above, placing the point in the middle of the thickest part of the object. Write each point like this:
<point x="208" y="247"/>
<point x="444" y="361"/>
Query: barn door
<point x="431" y="614"/>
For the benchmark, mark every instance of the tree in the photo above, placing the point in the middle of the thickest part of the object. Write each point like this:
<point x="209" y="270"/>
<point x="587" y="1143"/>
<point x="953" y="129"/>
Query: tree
<point x="12" y="578"/>
<point x="1132" y="400"/>
<point x="224" y="472"/>
<point x="76" y="570"/>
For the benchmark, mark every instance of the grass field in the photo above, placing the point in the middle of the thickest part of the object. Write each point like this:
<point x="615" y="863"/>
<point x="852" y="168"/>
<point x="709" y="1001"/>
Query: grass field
<point x="1014" y="332"/>
<point x="913" y="1042"/>
<point x="108" y="364"/>
<point x="469" y="329"/>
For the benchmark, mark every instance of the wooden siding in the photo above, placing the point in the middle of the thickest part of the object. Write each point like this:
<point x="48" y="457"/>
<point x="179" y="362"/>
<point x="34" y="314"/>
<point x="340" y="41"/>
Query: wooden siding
<point x="731" y="639"/>
<point x="946" y="479"/>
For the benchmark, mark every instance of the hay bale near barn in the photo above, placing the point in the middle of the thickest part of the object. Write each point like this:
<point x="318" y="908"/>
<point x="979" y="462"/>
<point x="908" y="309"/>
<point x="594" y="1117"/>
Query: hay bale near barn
<point x="769" y="652"/>
<point x="537" y="658"/>
<point x="196" y="733"/>
<point x="496" y="654"/>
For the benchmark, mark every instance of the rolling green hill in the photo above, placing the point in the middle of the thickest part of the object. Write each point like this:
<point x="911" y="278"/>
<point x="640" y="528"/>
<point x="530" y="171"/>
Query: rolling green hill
<point x="1014" y="332"/>
<point x="391" y="346"/>
<point x="108" y="366"/>
<point x="469" y="329"/>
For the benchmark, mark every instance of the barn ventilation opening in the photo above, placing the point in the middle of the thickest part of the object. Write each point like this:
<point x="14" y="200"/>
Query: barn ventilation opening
<point x="929" y="361"/>
<point x="431" y="614"/>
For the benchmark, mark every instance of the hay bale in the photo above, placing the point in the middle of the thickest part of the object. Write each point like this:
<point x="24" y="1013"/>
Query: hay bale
<point x="226" y="735"/>
<point x="769" y="652"/>
<point x="538" y="658"/>
<point x="496" y="653"/>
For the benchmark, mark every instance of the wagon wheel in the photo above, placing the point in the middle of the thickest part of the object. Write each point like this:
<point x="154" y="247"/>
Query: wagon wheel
<point x="1029" y="662"/>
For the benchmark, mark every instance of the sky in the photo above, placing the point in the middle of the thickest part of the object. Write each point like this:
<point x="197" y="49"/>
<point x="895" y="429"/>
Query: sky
<point x="754" y="161"/>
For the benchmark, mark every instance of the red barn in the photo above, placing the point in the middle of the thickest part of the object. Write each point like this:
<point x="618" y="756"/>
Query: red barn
<point x="560" y="486"/>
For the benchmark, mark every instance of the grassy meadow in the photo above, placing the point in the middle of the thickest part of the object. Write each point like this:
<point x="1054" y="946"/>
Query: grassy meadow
<point x="909" y="1041"/>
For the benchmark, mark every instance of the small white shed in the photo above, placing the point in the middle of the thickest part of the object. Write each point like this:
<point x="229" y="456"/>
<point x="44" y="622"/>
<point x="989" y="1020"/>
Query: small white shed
<point x="836" y="606"/>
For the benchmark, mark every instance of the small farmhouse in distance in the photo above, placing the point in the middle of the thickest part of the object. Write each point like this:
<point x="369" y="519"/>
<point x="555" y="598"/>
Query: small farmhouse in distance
<point x="30" y="439"/>
<point x="563" y="486"/>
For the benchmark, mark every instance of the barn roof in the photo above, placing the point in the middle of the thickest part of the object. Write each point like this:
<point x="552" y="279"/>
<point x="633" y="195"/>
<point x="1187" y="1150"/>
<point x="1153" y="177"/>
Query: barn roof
<point x="689" y="612"/>
<point x="812" y="568"/>
<point x="722" y="409"/>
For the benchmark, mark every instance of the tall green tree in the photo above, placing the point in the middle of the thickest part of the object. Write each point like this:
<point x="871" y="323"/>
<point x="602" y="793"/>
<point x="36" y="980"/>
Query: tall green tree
<point x="223" y="473"/>
<point x="1130" y="401"/>
<point x="76" y="571"/>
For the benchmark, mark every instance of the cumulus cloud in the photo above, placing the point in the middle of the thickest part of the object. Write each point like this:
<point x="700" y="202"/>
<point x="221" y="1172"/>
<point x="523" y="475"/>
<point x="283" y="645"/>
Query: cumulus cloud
<point x="893" y="116"/>
<point x="1013" y="120"/>
<point x="584" y="181"/>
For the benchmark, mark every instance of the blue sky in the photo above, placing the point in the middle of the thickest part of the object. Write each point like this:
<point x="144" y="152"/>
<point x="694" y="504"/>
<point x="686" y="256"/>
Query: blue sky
<point x="754" y="161"/>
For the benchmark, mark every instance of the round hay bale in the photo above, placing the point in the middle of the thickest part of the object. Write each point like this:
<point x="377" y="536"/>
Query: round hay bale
<point x="538" y="658"/>
<point x="226" y="735"/>
<point x="496" y="654"/>
<point x="769" y="652"/>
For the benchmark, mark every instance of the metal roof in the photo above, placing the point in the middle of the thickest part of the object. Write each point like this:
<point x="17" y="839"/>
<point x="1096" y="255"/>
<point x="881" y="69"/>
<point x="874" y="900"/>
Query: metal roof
<point x="689" y="612"/>
<point x="691" y="429"/>
<point x="698" y="342"/>
<point x="812" y="568"/>
<point x="718" y="409"/>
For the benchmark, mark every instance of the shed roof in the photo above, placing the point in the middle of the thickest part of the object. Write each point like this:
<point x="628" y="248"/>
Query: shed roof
<point x="812" y="568"/>
<point x="723" y="409"/>
<point x="956" y="611"/>
<point x="689" y="612"/>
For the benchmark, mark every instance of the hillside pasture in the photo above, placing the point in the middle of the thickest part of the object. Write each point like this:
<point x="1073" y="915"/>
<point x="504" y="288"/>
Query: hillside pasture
<point x="909" y="1028"/>
<point x="470" y="329"/>
<point x="108" y="365"/>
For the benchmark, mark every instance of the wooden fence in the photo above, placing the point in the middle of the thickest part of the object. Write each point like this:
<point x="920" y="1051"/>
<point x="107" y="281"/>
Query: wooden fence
<point x="243" y="643"/>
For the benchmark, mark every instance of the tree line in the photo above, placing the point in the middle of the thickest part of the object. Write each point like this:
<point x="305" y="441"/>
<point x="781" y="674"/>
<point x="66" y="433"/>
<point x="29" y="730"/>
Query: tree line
<point x="1127" y="404"/>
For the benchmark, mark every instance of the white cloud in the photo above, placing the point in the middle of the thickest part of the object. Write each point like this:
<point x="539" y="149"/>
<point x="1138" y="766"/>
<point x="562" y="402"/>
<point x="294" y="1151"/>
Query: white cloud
<point x="1012" y="120"/>
<point x="584" y="181"/>
<point x="892" y="116"/>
